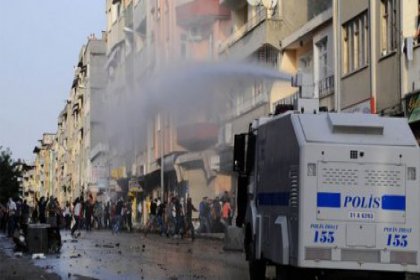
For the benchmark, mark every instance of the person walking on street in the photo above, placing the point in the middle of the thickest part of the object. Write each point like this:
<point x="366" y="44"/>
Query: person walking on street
<point x="97" y="214"/>
<point x="190" y="208"/>
<point x="226" y="213"/>
<point x="67" y="215"/>
<point x="11" y="211"/>
<point x="118" y="216"/>
<point x="77" y="215"/>
<point x="25" y="216"/>
<point x="152" y="218"/>
<point x="139" y="212"/>
<point x="42" y="206"/>
<point x="128" y="216"/>
<point x="204" y="216"/>
<point x="107" y="215"/>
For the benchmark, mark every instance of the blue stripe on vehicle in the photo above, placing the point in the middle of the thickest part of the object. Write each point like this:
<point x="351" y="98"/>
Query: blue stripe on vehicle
<point x="273" y="199"/>
<point x="328" y="200"/>
<point x="393" y="202"/>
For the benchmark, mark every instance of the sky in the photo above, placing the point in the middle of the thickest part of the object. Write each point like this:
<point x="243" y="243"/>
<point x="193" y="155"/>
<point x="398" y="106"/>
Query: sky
<point x="40" y="43"/>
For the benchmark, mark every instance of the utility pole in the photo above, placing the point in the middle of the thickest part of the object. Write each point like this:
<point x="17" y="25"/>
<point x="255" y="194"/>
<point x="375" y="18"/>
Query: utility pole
<point x="162" y="188"/>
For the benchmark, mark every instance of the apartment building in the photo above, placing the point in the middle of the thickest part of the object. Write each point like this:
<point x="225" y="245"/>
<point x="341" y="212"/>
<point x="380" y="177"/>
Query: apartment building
<point x="377" y="57"/>
<point x="410" y="63"/>
<point x="309" y="52"/>
<point x="161" y="145"/>
<point x="280" y="37"/>
<point x="28" y="182"/>
<point x="66" y="162"/>
<point x="44" y="163"/>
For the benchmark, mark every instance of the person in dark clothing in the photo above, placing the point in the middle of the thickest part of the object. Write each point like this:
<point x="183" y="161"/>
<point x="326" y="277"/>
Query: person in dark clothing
<point x="152" y="217"/>
<point x="107" y="215"/>
<point x="188" y="216"/>
<point x="160" y="217"/>
<point x="52" y="212"/>
<point x="128" y="216"/>
<point x="179" y="216"/>
<point x="118" y="212"/>
<point x="216" y="212"/>
<point x="204" y="216"/>
<point x="25" y="212"/>
<point x="42" y="206"/>
<point x="88" y="214"/>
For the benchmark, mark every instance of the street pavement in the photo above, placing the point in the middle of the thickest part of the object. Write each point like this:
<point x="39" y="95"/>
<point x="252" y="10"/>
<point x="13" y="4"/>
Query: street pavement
<point x="102" y="255"/>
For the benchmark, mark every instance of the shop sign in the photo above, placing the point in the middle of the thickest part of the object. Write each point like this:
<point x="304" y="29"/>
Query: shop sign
<point x="134" y="186"/>
<point x="412" y="107"/>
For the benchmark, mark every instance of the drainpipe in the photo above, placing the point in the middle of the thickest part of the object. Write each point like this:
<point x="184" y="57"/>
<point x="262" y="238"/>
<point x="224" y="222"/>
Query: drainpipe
<point x="373" y="57"/>
<point x="337" y="54"/>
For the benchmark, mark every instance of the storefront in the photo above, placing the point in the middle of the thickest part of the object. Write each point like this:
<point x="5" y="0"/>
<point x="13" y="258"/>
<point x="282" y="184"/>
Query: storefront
<point x="412" y="112"/>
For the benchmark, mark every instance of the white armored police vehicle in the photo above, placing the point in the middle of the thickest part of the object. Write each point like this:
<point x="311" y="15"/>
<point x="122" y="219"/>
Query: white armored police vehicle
<point x="329" y="192"/>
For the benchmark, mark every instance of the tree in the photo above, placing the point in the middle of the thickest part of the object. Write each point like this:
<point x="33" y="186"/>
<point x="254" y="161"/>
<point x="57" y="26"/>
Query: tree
<point x="9" y="175"/>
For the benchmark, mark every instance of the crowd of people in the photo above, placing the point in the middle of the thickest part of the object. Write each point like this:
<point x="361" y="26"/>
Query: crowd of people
<point x="173" y="217"/>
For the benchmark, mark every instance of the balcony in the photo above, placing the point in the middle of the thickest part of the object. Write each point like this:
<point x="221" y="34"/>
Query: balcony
<point x="144" y="61"/>
<point x="326" y="86"/>
<point x="200" y="12"/>
<point x="139" y="14"/>
<point x="258" y="31"/>
<point x="98" y="149"/>
<point x="233" y="4"/>
<point x="197" y="136"/>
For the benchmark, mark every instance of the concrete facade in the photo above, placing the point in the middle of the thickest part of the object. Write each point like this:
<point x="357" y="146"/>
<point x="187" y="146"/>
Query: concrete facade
<point x="63" y="165"/>
<point x="359" y="56"/>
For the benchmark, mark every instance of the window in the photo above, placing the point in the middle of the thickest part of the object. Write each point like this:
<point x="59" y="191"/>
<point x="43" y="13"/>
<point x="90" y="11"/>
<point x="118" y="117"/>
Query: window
<point x="322" y="46"/>
<point x="323" y="75"/>
<point x="115" y="12"/>
<point x="388" y="26"/>
<point x="355" y="43"/>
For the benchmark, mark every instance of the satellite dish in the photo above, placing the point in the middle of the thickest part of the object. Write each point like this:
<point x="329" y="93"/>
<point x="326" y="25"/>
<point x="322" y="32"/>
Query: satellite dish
<point x="270" y="4"/>
<point x="254" y="2"/>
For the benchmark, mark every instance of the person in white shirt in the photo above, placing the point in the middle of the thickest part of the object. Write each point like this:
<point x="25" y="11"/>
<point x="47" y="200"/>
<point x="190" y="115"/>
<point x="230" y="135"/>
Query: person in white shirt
<point x="11" y="210"/>
<point x="139" y="212"/>
<point x="77" y="214"/>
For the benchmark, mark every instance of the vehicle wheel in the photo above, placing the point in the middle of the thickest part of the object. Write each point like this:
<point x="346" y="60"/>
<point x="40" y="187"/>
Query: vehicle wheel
<point x="282" y="272"/>
<point x="257" y="269"/>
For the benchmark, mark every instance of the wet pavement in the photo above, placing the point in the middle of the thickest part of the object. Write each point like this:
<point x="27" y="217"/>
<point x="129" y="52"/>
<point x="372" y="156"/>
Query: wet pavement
<point x="102" y="255"/>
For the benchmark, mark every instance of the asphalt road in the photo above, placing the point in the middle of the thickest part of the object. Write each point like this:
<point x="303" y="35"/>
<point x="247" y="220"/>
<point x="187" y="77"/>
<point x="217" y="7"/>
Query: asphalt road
<point x="102" y="255"/>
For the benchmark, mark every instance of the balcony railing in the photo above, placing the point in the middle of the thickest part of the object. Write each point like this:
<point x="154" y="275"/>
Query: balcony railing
<point x="289" y="100"/>
<point x="247" y="27"/>
<point x="248" y="104"/>
<point x="326" y="86"/>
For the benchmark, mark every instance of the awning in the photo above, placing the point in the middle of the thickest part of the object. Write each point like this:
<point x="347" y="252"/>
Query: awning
<point x="152" y="180"/>
<point x="169" y="161"/>
<point x="195" y="160"/>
